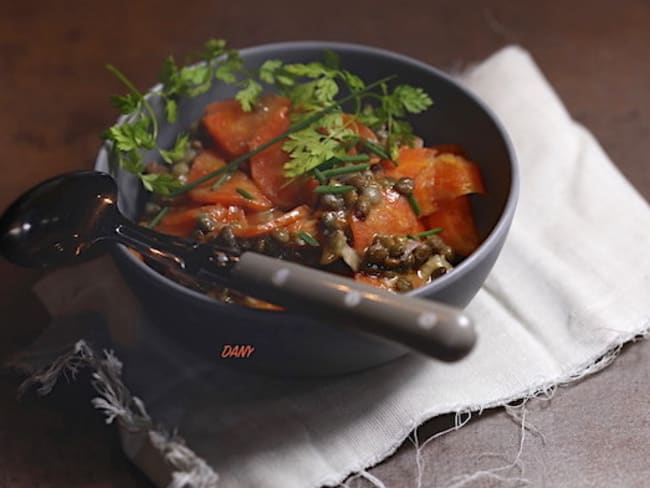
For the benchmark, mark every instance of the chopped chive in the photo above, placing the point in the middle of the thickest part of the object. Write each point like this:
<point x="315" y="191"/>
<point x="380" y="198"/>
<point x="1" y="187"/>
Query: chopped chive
<point x="354" y="158"/>
<point x="333" y="188"/>
<point x="426" y="233"/>
<point x="414" y="204"/>
<point x="159" y="216"/>
<point x="244" y="193"/>
<point x="320" y="176"/>
<point x="355" y="168"/>
<point x="379" y="150"/>
<point x="308" y="238"/>
<point x="224" y="177"/>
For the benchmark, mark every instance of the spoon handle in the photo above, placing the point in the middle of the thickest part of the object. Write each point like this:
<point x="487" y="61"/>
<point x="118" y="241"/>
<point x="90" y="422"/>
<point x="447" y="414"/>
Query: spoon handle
<point x="201" y="261"/>
<point x="429" y="327"/>
<point x="434" y="329"/>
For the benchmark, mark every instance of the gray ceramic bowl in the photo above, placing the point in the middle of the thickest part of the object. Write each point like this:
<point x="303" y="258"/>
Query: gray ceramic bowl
<point x="297" y="345"/>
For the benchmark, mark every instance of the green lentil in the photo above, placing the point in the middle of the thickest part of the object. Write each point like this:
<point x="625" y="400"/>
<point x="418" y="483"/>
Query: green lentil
<point x="334" y="202"/>
<point x="180" y="169"/>
<point x="362" y="207"/>
<point x="373" y="194"/>
<point x="205" y="223"/>
<point x="403" y="284"/>
<point x="404" y="186"/>
<point x="281" y="235"/>
<point x="330" y="220"/>
<point x="350" y="198"/>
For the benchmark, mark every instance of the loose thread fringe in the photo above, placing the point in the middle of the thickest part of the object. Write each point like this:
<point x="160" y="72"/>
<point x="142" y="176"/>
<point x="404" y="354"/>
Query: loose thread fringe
<point x="517" y="411"/>
<point x="116" y="402"/>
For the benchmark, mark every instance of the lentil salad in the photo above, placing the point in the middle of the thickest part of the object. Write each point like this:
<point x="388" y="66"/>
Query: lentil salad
<point x="352" y="215"/>
<point x="291" y="173"/>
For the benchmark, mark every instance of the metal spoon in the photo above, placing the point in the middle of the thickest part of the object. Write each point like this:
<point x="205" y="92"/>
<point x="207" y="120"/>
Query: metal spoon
<point x="62" y="220"/>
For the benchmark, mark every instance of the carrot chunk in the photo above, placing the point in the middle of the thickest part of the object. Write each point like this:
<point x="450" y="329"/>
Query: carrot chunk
<point x="229" y="126"/>
<point x="295" y="215"/>
<point x="393" y="215"/>
<point x="436" y="176"/>
<point x="267" y="167"/>
<point x="454" y="217"/>
<point x="227" y="193"/>
<point x="181" y="221"/>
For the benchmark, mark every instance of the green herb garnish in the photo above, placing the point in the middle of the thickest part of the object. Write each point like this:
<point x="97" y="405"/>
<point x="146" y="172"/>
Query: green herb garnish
<point x="159" y="216"/>
<point x="426" y="233"/>
<point x="139" y="132"/>
<point x="355" y="168"/>
<point x="244" y="193"/>
<point x="380" y="151"/>
<point x="308" y="238"/>
<point x="321" y="131"/>
<point x="335" y="189"/>
<point x="311" y="86"/>
<point x="235" y="163"/>
<point x="414" y="204"/>
<point x="320" y="176"/>
<point x="224" y="177"/>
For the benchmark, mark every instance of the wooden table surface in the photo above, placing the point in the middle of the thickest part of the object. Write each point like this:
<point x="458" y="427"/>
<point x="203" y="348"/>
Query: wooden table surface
<point x="54" y="104"/>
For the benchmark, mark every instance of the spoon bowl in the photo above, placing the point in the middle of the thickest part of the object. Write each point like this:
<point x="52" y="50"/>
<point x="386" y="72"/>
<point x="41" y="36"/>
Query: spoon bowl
<point x="58" y="221"/>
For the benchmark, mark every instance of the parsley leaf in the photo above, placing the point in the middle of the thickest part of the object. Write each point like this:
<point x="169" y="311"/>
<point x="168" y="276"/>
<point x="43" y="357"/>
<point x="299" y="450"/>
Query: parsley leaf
<point x="228" y="69"/>
<point x="248" y="95"/>
<point x="136" y="135"/>
<point x="325" y="90"/>
<point x="176" y="153"/>
<point x="331" y="59"/>
<point x="139" y="133"/>
<point x="213" y="48"/>
<point x="269" y="70"/>
<point x="171" y="110"/>
<point x="354" y="82"/>
<point x="319" y="132"/>
<point x="162" y="183"/>
<point x="127" y="103"/>
<point x="319" y="142"/>
<point x="414" y="100"/>
<point x="309" y="70"/>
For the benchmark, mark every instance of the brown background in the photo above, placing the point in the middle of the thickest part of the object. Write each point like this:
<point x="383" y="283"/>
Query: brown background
<point x="54" y="103"/>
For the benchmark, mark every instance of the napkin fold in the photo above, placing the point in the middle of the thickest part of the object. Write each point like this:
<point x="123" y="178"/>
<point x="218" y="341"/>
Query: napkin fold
<point x="571" y="285"/>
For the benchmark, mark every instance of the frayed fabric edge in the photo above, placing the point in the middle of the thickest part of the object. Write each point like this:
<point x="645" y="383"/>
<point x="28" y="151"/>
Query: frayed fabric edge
<point x="545" y="390"/>
<point x="150" y="447"/>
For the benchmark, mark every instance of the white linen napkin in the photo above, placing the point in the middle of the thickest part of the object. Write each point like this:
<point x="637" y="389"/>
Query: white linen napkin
<point x="572" y="283"/>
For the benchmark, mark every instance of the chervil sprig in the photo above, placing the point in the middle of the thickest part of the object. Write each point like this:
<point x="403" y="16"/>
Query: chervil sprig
<point x="312" y="86"/>
<point x="139" y="132"/>
<point x="314" y="117"/>
<point x="319" y="132"/>
<point x="388" y="113"/>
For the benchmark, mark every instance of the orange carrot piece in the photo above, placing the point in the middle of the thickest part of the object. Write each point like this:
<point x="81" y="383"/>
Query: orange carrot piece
<point x="267" y="167"/>
<point x="454" y="217"/>
<point x="437" y="175"/>
<point x="393" y="215"/>
<point x="229" y="126"/>
<point x="295" y="215"/>
<point x="181" y="221"/>
<point x="449" y="176"/>
<point x="226" y="193"/>
<point x="411" y="161"/>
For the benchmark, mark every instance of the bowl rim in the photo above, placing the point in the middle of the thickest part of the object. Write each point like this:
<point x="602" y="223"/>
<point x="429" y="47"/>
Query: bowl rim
<point x="485" y="247"/>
